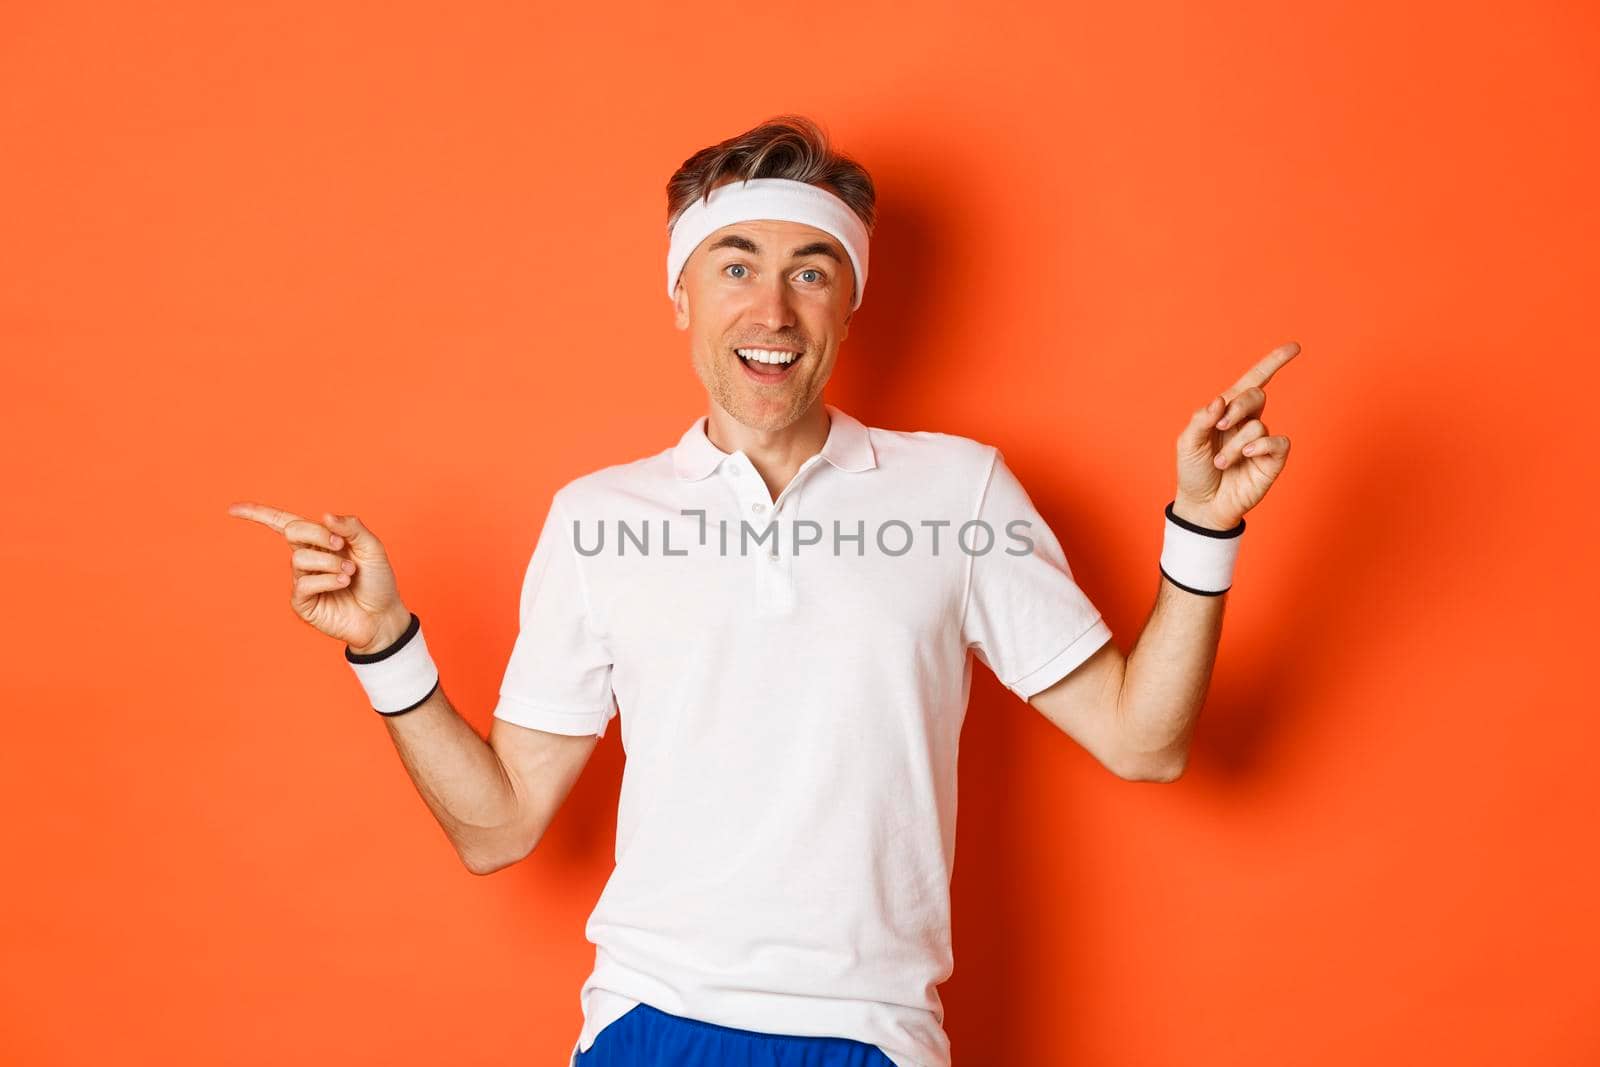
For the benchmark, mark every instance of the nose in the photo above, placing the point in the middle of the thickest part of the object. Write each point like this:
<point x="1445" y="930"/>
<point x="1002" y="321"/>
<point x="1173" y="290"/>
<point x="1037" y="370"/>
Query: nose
<point x="772" y="304"/>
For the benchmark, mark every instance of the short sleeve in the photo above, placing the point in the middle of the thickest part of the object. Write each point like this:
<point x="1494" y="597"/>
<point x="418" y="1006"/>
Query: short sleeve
<point x="1025" y="616"/>
<point x="559" y="675"/>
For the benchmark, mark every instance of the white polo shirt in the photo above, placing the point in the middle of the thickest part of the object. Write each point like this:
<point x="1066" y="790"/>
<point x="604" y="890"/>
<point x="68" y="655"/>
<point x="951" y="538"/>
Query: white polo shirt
<point x="791" y="677"/>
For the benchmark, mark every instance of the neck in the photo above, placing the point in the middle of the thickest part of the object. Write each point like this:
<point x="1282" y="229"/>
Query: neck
<point x="778" y="453"/>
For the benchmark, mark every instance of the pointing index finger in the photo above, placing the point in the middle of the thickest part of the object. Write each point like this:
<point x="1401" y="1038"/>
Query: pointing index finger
<point x="1263" y="371"/>
<point x="276" y="518"/>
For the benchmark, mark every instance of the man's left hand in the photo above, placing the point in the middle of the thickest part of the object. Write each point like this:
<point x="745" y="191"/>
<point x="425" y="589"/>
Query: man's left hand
<point x="1226" y="459"/>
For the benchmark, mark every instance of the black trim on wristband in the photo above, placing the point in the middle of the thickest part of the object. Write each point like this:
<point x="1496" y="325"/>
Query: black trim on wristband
<point x="385" y="653"/>
<point x="1197" y="528"/>
<point x="1190" y="588"/>
<point x="413" y="707"/>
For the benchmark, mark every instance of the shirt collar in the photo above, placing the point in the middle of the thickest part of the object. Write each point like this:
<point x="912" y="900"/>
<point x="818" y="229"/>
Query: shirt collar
<point x="848" y="447"/>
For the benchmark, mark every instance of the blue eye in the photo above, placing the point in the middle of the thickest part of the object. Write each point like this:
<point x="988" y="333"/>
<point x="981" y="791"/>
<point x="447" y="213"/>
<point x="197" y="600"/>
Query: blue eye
<point x="736" y="266"/>
<point x="812" y="270"/>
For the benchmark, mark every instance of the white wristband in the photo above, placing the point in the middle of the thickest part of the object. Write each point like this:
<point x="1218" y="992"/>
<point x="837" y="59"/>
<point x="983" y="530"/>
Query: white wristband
<point x="398" y="678"/>
<point x="1197" y="558"/>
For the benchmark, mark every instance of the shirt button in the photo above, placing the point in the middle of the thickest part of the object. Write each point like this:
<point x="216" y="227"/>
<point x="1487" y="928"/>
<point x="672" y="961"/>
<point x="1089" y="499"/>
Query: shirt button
<point x="758" y="507"/>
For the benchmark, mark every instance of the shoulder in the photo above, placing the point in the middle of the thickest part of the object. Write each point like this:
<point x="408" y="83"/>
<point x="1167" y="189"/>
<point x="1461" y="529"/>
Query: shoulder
<point x="949" y="458"/>
<point x="610" y="484"/>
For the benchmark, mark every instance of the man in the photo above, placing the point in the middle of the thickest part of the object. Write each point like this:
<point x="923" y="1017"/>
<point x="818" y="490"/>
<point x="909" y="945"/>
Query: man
<point x="791" y="711"/>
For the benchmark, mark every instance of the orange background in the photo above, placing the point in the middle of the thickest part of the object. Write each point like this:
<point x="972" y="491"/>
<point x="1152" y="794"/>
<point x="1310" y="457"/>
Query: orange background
<point x="407" y="263"/>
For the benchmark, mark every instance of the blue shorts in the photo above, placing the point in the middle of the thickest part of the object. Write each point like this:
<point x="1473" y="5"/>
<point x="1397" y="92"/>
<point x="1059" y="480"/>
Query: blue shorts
<point x="649" y="1037"/>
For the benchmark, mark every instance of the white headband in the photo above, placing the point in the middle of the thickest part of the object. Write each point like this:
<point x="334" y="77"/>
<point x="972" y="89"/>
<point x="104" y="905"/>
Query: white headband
<point x="768" y="198"/>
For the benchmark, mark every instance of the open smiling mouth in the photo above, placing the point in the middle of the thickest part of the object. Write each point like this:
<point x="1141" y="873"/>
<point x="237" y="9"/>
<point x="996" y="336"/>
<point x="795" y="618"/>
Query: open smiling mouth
<point x="766" y="364"/>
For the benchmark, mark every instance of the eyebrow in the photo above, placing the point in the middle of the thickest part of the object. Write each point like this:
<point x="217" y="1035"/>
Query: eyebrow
<point x="733" y="240"/>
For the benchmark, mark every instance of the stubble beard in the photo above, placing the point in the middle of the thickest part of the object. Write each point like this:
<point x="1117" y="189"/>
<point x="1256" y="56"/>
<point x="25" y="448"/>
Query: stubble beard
<point x="725" y="382"/>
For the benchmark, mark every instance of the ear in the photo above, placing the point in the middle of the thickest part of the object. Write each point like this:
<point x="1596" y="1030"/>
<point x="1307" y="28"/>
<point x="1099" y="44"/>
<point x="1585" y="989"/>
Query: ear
<point x="680" y="306"/>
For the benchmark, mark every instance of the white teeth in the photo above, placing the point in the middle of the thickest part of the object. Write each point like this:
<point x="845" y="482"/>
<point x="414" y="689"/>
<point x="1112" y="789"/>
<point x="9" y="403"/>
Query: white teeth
<point x="764" y="355"/>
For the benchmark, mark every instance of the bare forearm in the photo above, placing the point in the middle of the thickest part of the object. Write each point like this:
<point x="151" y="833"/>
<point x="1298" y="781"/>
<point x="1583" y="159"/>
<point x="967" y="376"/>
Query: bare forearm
<point x="460" y="778"/>
<point x="1168" y="672"/>
<point x="1226" y="461"/>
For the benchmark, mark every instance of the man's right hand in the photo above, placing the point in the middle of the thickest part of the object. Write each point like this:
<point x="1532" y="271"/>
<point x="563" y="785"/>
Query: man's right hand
<point x="342" y="583"/>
